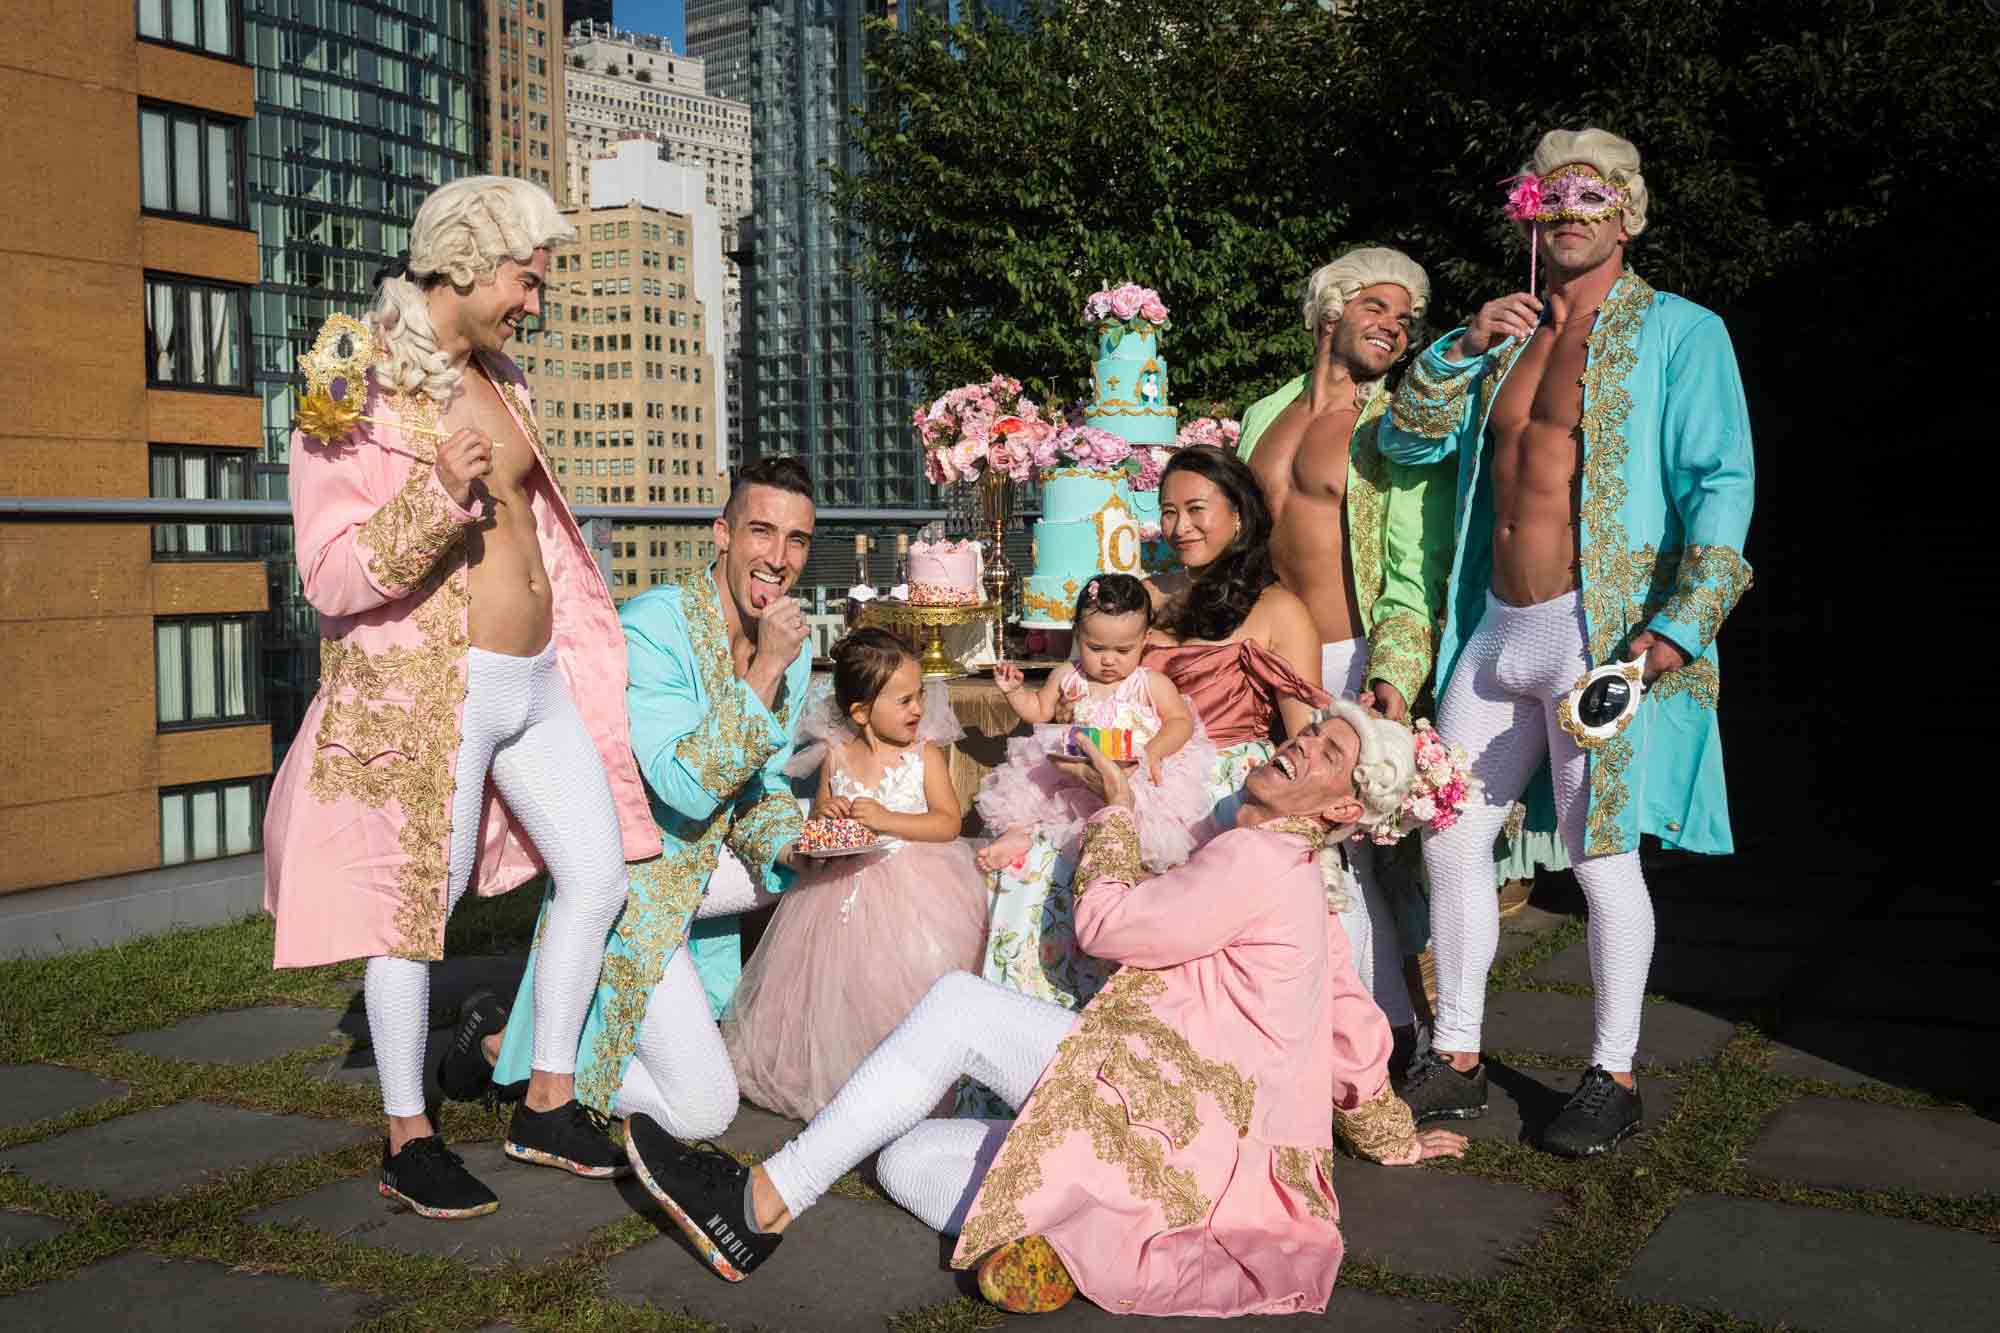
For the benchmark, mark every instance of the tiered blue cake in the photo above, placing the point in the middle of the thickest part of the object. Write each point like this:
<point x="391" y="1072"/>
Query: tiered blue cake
<point x="1091" y="516"/>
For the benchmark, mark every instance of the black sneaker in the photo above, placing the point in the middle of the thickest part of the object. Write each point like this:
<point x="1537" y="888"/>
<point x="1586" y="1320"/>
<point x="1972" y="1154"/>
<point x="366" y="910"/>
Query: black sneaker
<point x="433" y="1181"/>
<point x="1409" y="1041"/>
<point x="1436" y="1091"/>
<point x="573" y="1137"/>
<point x="700" y="1182"/>
<point x="1598" y="1114"/>
<point x="463" y="1070"/>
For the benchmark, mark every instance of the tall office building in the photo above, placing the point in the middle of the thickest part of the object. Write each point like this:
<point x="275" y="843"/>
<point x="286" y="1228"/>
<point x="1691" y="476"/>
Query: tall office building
<point x="523" y="68"/>
<point x="132" y="728"/>
<point x="718" y="31"/>
<point x="360" y="116"/>
<point x="588" y="11"/>
<point x="816" y="386"/>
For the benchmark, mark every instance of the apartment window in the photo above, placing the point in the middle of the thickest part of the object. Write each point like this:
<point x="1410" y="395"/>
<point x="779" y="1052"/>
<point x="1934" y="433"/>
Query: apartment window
<point x="193" y="473"/>
<point x="205" y="25"/>
<point x="190" y="164"/>
<point x="215" y="819"/>
<point x="196" y="334"/>
<point x="205" y="668"/>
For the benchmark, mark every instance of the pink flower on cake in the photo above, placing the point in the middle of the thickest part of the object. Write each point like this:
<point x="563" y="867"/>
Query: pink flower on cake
<point x="1153" y="310"/>
<point x="1128" y="300"/>
<point x="1210" y="432"/>
<point x="1124" y="303"/>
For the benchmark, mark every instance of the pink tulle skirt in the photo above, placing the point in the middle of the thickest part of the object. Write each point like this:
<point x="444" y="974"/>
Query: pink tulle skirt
<point x="854" y="944"/>
<point x="1030" y="790"/>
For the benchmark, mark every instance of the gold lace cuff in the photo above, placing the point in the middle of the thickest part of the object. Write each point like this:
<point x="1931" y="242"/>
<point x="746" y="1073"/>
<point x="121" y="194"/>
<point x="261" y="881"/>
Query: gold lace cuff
<point x="1430" y="405"/>
<point x="1110" y="850"/>
<point x="408" y="535"/>
<point x="1381" y="1129"/>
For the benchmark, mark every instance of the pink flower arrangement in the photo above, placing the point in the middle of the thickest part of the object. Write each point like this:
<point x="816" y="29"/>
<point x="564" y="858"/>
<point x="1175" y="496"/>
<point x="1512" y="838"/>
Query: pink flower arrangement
<point x="1152" y="463"/>
<point x="1212" y="432"/>
<point x="977" y="424"/>
<point x="1126" y="301"/>
<point x="1440" y="790"/>
<point x="1524" y="201"/>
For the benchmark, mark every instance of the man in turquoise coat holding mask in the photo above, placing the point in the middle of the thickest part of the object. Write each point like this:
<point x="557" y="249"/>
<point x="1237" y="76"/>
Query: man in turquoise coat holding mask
<point x="1604" y="491"/>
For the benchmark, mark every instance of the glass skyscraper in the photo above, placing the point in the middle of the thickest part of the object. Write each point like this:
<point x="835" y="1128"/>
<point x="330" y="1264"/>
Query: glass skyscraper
<point x="719" y="32"/>
<point x="363" y="108"/>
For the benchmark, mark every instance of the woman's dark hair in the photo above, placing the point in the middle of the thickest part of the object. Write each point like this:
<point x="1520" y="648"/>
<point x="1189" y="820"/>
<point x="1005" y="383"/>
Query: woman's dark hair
<point x="1113" y="595"/>
<point x="863" y="662"/>
<point x="1219" y="599"/>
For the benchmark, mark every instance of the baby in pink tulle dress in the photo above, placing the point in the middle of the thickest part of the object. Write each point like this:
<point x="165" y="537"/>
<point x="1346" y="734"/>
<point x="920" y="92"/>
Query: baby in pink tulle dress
<point x="1105" y="688"/>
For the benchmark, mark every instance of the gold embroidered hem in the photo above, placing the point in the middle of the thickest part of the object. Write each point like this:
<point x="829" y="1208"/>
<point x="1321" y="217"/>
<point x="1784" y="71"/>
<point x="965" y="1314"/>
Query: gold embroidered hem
<point x="765" y="827"/>
<point x="1400" y="651"/>
<point x="1711" y="580"/>
<point x="1298" y="1168"/>
<point x="405" y="753"/>
<point x="1604" y="559"/>
<point x="728" y="753"/>
<point x="1429" y="406"/>
<point x="1699" y="680"/>
<point x="1602" y="836"/>
<point x="407" y="537"/>
<point x="1123" y="1042"/>
<point x="1367" y="505"/>
<point x="1110" y="851"/>
<point x="1380" y="1129"/>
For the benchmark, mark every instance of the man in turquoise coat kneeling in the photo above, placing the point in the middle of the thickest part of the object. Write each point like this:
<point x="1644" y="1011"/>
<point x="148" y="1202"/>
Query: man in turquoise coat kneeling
<point x="1604" y="490"/>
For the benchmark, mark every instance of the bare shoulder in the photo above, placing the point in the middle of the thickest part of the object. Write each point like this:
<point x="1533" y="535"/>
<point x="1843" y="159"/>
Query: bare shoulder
<point x="1278" y="612"/>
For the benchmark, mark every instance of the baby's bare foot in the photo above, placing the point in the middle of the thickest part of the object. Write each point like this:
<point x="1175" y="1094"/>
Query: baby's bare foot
<point x="1004" y="850"/>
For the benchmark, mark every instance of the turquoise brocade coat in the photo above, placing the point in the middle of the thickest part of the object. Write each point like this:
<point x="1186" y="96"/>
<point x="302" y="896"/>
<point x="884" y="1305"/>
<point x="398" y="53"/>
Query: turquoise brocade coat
<point x="1399" y="528"/>
<point x="1667" y="487"/>
<point x="713" y="757"/>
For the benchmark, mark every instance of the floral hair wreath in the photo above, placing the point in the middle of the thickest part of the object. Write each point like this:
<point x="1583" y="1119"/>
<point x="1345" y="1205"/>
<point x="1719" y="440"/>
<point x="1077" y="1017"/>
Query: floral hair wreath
<point x="1441" y="789"/>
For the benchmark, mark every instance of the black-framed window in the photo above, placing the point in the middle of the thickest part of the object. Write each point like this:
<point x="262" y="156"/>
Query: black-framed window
<point x="191" y="472"/>
<point x="205" y="671"/>
<point x="190" y="163"/>
<point x="197" y="334"/>
<point x="200" y="823"/>
<point x="202" y="25"/>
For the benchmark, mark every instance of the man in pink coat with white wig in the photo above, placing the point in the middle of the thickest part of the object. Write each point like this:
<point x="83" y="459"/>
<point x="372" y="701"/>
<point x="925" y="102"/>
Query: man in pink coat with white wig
<point x="470" y="724"/>
<point x="1174" y="1149"/>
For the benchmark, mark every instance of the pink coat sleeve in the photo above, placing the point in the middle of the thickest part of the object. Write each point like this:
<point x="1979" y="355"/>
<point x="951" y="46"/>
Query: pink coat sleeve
<point x="367" y="536"/>
<point x="1367" y="1114"/>
<point x="1123" y="917"/>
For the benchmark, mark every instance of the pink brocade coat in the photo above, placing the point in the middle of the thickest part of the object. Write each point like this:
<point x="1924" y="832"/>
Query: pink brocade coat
<point x="1178" y="1151"/>
<point x="357" y="835"/>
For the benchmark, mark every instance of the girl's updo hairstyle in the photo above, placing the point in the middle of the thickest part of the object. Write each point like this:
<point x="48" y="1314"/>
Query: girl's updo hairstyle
<point x="863" y="662"/>
<point x="1112" y="595"/>
<point x="1218" y="599"/>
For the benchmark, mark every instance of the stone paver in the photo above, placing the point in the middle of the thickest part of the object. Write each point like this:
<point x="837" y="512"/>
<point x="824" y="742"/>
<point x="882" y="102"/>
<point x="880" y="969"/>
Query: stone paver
<point x="1854" y="1145"/>
<point x="1522" y="1100"/>
<point x="1349" y="1310"/>
<point x="1672" y="1034"/>
<point x="1816" y="1268"/>
<point x="138" y="1292"/>
<point x="162" y="1150"/>
<point x="37" y="1092"/>
<point x="758" y="1131"/>
<point x="1417" y="1220"/>
<point x="1932" y="1056"/>
<point x="1690" y="969"/>
<point x="843" y="1267"/>
<point x="238" y="1036"/>
<point x="542" y="1213"/>
<point x="27" y="1228"/>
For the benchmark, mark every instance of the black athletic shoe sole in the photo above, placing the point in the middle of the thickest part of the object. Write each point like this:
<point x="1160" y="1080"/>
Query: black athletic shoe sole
<point x="389" y="1191"/>
<point x="537" y="1157"/>
<point x="709" y="1252"/>
<point x="1451" y="1113"/>
<point x="1595" y="1149"/>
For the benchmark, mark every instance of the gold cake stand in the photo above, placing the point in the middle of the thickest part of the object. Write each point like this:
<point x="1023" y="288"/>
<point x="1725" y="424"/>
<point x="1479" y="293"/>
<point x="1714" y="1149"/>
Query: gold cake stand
<point x="935" y="663"/>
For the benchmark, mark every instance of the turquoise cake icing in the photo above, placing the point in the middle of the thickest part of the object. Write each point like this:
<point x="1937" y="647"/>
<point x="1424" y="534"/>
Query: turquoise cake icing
<point x="1091" y="516"/>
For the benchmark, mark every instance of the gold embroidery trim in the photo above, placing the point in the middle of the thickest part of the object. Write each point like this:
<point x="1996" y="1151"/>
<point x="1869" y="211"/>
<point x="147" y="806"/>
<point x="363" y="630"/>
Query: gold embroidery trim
<point x="1379" y="1129"/>
<point x="1602" y="834"/>
<point x="1118" y="1041"/>
<point x="733" y="744"/>
<point x="1297" y="1168"/>
<point x="1710" y="581"/>
<point x="764" y="827"/>
<point x="406" y="537"/>
<point x="1110" y="851"/>
<point x="1400" y="652"/>
<point x="1699" y="680"/>
<point x="1429" y="406"/>
<point x="373" y="750"/>
<point x="1604" y="557"/>
<point x="1368" y="486"/>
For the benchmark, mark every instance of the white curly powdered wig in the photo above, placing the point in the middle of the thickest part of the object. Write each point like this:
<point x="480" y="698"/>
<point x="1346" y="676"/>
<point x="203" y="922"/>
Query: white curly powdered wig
<point x="461" y="235"/>
<point x="1615" y="159"/>
<point x="1386" y="765"/>
<point x="1331" y="286"/>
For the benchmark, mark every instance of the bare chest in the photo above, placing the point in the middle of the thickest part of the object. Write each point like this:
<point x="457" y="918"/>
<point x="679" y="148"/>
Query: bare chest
<point x="1544" y="392"/>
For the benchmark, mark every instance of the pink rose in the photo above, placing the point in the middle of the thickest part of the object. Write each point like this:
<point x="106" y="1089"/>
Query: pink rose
<point x="938" y="467"/>
<point x="1009" y="453"/>
<point x="965" y="456"/>
<point x="1124" y="303"/>
<point x="1048" y="449"/>
<point x="1153" y="310"/>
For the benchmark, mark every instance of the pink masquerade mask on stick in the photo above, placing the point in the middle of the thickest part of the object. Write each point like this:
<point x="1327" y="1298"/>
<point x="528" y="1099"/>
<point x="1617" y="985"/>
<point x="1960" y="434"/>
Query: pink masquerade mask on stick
<point x="1570" y="193"/>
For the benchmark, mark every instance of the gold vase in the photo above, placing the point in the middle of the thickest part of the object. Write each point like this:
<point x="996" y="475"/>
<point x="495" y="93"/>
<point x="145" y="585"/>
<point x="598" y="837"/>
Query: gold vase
<point x="996" y="507"/>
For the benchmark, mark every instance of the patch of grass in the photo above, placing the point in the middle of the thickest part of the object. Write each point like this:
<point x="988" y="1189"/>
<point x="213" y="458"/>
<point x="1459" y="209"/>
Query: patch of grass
<point x="963" y="1315"/>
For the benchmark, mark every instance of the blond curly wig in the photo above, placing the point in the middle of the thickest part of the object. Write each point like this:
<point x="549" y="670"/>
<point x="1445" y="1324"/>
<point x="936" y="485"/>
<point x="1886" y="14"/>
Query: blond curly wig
<point x="1613" y="158"/>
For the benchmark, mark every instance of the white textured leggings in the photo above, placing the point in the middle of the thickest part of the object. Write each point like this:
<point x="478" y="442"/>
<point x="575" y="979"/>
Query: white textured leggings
<point x="680" y="1073"/>
<point x="1501" y="706"/>
<point x="963" y="1025"/>
<point x="521" y="727"/>
<point x="1367" y="918"/>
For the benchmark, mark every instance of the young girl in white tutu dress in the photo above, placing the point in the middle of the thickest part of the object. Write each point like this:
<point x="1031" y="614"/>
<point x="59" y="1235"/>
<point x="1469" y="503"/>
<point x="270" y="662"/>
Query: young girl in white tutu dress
<point x="858" y="940"/>
<point x="1106" y="688"/>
